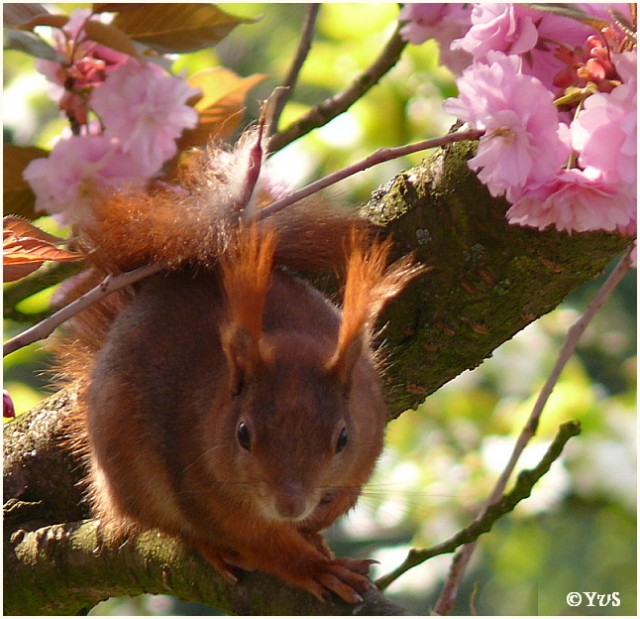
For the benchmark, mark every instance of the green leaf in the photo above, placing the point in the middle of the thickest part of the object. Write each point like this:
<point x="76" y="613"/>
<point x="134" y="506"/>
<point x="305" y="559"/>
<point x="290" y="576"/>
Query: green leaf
<point x="17" y="195"/>
<point x="175" y="28"/>
<point x="29" y="44"/>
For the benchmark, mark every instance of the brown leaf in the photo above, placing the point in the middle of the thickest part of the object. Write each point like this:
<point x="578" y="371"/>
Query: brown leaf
<point x="25" y="248"/>
<point x="176" y="27"/>
<point x="14" y="272"/>
<point x="113" y="7"/>
<point x="221" y="106"/>
<point x="17" y="195"/>
<point x="16" y="14"/>
<point x="110" y="36"/>
<point x="41" y="18"/>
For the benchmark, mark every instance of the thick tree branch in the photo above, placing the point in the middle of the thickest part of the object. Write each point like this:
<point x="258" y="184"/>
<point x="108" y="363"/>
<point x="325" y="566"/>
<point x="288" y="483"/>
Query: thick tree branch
<point x="489" y="279"/>
<point x="63" y="565"/>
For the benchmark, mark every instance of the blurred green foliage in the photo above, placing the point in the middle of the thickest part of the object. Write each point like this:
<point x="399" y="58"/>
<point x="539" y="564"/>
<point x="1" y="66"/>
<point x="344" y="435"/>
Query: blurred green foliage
<point x="577" y="532"/>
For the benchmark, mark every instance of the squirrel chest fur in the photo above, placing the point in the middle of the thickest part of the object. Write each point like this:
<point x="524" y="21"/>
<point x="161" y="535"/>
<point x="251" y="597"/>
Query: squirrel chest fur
<point x="239" y="410"/>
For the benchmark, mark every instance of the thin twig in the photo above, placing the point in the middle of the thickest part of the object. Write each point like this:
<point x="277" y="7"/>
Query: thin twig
<point x="379" y="156"/>
<point x="325" y="111"/>
<point x="107" y="286"/>
<point x="48" y="275"/>
<point x="448" y="596"/>
<point x="286" y="90"/>
<point x="483" y="524"/>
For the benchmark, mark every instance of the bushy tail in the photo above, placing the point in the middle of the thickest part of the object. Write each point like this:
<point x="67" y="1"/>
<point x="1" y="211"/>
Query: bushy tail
<point x="196" y="221"/>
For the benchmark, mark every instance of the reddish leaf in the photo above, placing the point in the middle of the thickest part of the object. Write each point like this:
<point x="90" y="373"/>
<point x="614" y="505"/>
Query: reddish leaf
<point x="26" y="247"/>
<point x="22" y="228"/>
<point x="221" y="106"/>
<point x="113" y="7"/>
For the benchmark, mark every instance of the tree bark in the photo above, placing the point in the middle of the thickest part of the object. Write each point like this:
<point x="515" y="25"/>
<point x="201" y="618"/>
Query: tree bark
<point x="488" y="281"/>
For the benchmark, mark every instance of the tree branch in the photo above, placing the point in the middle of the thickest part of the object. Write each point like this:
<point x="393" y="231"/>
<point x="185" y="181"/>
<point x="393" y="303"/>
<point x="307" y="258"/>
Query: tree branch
<point x="64" y="563"/>
<point x="286" y="90"/>
<point x="376" y="158"/>
<point x="499" y="507"/>
<point x="448" y="596"/>
<point x="110" y="284"/>
<point x="488" y="280"/>
<point x="322" y="113"/>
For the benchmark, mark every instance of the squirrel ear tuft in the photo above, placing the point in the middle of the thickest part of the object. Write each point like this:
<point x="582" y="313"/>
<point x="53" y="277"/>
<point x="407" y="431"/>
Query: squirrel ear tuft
<point x="369" y="285"/>
<point x="243" y="356"/>
<point x="246" y="272"/>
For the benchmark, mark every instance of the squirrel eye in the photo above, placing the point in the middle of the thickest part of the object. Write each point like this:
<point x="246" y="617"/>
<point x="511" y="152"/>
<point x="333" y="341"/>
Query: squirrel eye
<point x="343" y="439"/>
<point x="244" y="438"/>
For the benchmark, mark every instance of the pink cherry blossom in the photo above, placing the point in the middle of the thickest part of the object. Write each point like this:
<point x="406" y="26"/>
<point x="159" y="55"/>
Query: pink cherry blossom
<point x="443" y="22"/>
<point x="524" y="142"/>
<point x="84" y="67"/>
<point x="557" y="34"/>
<point x="502" y="27"/>
<point x="145" y="109"/>
<point x="63" y="180"/>
<point x="574" y="201"/>
<point x="605" y="131"/>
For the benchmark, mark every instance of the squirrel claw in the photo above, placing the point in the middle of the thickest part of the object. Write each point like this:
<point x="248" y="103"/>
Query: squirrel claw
<point x="343" y="577"/>
<point x="360" y="566"/>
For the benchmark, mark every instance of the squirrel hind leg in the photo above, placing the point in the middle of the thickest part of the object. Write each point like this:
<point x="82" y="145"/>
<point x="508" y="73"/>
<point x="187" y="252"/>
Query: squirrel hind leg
<point x="115" y="527"/>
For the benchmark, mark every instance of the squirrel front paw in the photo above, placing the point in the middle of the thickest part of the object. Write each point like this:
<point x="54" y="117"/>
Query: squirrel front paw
<point x="344" y="577"/>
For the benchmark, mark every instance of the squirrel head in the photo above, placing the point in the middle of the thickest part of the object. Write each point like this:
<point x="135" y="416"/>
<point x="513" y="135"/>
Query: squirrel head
<point x="306" y="410"/>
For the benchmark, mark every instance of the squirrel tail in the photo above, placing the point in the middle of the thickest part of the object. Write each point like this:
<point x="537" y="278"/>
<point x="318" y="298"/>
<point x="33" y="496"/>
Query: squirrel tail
<point x="196" y="222"/>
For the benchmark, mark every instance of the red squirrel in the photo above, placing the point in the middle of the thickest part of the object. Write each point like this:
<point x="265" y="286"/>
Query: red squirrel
<point x="225" y="400"/>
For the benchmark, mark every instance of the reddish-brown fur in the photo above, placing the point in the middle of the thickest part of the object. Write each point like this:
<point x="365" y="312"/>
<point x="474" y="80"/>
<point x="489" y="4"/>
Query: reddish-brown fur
<point x="233" y="406"/>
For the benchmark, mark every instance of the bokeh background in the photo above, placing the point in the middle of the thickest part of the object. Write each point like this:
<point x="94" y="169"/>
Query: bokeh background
<point x="578" y="530"/>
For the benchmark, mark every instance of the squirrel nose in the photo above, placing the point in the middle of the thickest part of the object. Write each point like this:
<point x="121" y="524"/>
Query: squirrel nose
<point x="291" y="502"/>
